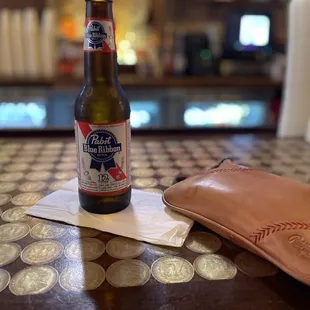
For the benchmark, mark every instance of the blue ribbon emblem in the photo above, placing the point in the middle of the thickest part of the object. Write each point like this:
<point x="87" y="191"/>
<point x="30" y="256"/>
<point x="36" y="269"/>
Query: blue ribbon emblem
<point x="95" y="35"/>
<point x="102" y="146"/>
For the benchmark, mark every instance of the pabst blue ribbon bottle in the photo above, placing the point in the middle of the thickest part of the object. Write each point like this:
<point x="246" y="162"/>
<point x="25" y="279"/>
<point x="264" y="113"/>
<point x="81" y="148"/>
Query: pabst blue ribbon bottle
<point x="102" y="114"/>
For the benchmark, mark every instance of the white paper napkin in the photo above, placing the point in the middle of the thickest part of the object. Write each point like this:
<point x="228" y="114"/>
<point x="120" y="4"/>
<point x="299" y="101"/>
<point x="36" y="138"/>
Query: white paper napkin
<point x="146" y="219"/>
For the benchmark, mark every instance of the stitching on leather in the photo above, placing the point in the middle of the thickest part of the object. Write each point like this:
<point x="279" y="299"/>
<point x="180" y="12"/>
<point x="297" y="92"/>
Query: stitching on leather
<point x="228" y="170"/>
<point x="270" y="229"/>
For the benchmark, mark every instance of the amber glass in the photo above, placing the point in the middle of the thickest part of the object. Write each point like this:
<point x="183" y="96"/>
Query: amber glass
<point x="102" y="101"/>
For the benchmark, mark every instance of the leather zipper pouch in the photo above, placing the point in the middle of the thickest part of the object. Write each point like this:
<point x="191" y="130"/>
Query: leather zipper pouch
<point x="264" y="213"/>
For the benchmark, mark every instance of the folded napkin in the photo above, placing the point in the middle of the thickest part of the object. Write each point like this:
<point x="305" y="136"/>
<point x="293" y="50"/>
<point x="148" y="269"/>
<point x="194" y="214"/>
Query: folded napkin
<point x="146" y="219"/>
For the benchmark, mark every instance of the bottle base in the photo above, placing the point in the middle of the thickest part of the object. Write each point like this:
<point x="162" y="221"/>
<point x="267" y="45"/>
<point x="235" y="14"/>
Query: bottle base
<point x="105" y="204"/>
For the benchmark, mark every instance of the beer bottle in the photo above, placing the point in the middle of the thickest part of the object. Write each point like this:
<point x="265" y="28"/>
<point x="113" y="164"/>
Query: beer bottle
<point x="102" y="119"/>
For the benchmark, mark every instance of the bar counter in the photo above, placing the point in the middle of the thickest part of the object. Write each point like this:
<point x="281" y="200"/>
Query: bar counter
<point x="31" y="168"/>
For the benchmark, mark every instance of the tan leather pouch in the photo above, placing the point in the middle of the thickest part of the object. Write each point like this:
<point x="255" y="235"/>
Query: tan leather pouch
<point x="261" y="212"/>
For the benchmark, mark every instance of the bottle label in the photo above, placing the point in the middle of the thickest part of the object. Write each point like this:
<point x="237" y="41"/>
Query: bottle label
<point x="103" y="157"/>
<point x="99" y="36"/>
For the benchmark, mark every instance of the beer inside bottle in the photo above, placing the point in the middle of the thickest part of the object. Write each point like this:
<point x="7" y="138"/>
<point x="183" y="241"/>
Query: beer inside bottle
<point x="102" y="115"/>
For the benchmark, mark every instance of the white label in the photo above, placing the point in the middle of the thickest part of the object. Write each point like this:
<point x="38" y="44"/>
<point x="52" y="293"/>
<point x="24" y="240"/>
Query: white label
<point x="103" y="157"/>
<point x="99" y="36"/>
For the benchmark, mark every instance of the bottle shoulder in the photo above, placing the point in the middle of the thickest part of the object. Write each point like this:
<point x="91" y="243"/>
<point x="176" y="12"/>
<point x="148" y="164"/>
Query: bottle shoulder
<point x="102" y="92"/>
<point x="102" y="103"/>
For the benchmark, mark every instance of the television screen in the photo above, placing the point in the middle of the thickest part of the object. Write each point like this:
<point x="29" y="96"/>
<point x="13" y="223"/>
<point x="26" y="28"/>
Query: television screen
<point x="248" y="34"/>
<point x="226" y="114"/>
<point x="254" y="30"/>
<point x="22" y="115"/>
<point x="144" y="114"/>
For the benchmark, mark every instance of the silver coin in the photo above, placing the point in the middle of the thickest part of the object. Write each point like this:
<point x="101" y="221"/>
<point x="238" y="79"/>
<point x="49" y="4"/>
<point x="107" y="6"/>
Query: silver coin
<point x="47" y="231"/>
<point x="13" y="231"/>
<point x="68" y="159"/>
<point x="4" y="279"/>
<point x="8" y="153"/>
<point x="206" y="163"/>
<point x="122" y="248"/>
<point x="189" y="143"/>
<point x="33" y="280"/>
<point x="140" y="164"/>
<point x="128" y="273"/>
<point x="139" y="157"/>
<point x="5" y="159"/>
<point x="26" y="199"/>
<point x="167" y="181"/>
<point x="177" y="156"/>
<point x="47" y="160"/>
<point x="56" y="185"/>
<point x="32" y="186"/>
<point x="54" y="145"/>
<point x="16" y="167"/>
<point x="38" y="175"/>
<point x="143" y="173"/>
<point x="160" y="157"/>
<point x="50" y="153"/>
<point x="215" y="267"/>
<point x="7" y="187"/>
<point x="65" y="175"/>
<point x="9" y="252"/>
<point x="155" y="151"/>
<point x="170" y="269"/>
<point x="11" y="177"/>
<point x="156" y="144"/>
<point x="15" y="215"/>
<point x="199" y="155"/>
<point x="251" y="162"/>
<point x="42" y="252"/>
<point x="136" y="144"/>
<point x="85" y="277"/>
<point x="11" y="146"/>
<point x="70" y="153"/>
<point x="71" y="145"/>
<point x="174" y="143"/>
<point x="169" y="172"/>
<point x="176" y="150"/>
<point x="188" y="172"/>
<point x="42" y="167"/>
<point x="4" y="198"/>
<point x="160" y="250"/>
<point x="203" y="243"/>
<point x="86" y="249"/>
<point x="153" y="190"/>
<point x="84" y="232"/>
<point x="66" y="166"/>
<point x="162" y="164"/>
<point x="28" y="156"/>
<point x="137" y="151"/>
<point x="31" y="146"/>
<point x="254" y="266"/>
<point x="145" y="182"/>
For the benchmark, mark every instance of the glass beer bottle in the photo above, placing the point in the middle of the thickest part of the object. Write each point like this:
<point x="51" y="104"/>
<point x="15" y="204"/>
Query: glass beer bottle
<point x="102" y="119"/>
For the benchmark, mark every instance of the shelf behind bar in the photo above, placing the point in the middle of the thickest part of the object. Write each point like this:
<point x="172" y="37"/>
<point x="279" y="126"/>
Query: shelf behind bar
<point x="133" y="81"/>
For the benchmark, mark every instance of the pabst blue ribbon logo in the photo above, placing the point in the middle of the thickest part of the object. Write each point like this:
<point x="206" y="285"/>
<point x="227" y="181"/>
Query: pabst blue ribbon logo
<point x="102" y="146"/>
<point x="95" y="35"/>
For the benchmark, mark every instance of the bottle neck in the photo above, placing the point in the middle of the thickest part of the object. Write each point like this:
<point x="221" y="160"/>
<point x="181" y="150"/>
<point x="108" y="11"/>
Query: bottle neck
<point x="100" y="57"/>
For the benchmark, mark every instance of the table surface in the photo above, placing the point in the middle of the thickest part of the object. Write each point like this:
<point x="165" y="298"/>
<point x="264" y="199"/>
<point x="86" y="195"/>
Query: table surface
<point x="156" y="162"/>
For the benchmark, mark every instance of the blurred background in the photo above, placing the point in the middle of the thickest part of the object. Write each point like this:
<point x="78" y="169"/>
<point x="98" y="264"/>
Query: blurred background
<point x="198" y="64"/>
